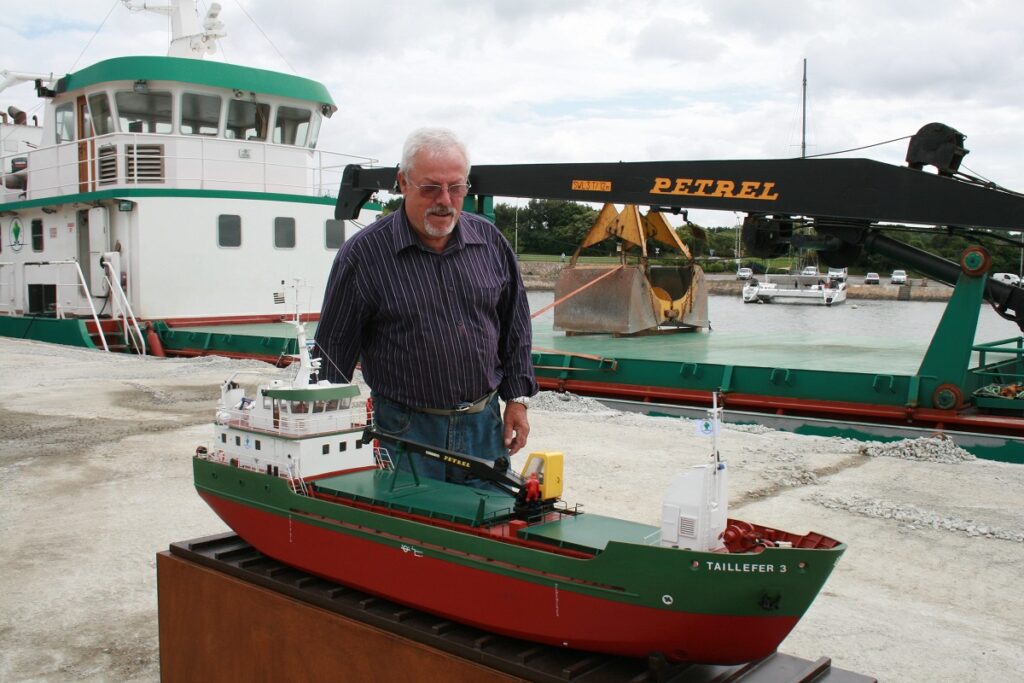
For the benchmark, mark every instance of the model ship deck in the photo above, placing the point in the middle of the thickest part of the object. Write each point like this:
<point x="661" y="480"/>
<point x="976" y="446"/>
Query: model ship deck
<point x="460" y="504"/>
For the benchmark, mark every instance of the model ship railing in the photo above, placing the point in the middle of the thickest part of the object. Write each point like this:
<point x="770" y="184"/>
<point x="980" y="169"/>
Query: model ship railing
<point x="292" y="425"/>
<point x="130" y="160"/>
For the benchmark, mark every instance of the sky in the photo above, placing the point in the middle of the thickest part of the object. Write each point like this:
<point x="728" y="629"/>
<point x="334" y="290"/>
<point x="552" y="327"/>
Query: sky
<point x="533" y="81"/>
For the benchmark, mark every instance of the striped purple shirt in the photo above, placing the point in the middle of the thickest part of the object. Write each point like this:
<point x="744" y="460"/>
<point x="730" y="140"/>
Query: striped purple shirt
<point x="432" y="329"/>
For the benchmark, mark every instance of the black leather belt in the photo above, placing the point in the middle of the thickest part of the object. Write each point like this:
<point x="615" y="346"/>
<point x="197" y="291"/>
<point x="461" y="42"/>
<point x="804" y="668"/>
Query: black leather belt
<point x="468" y="408"/>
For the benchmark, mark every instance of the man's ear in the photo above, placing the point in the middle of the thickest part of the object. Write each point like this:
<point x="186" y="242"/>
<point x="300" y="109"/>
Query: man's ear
<point x="400" y="181"/>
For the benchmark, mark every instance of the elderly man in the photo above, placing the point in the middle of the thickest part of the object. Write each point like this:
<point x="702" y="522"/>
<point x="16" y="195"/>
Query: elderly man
<point x="432" y="302"/>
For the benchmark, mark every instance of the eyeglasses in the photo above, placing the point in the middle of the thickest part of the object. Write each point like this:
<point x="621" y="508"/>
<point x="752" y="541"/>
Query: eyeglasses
<point x="457" y="191"/>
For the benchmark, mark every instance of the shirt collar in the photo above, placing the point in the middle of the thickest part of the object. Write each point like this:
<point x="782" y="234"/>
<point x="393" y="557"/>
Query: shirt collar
<point x="466" y="231"/>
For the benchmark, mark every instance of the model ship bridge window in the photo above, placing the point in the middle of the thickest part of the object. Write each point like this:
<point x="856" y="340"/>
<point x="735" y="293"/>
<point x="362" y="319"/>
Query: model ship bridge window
<point x="229" y="230"/>
<point x="144" y="112"/>
<point x="247" y="120"/>
<point x="292" y="126"/>
<point x="334" y="233"/>
<point x="284" y="233"/>
<point x="200" y="114"/>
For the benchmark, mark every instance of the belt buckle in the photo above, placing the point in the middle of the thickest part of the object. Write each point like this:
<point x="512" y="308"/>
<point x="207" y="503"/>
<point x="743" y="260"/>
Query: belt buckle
<point x="462" y="407"/>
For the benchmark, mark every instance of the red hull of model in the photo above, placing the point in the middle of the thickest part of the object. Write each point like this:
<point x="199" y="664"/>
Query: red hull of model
<point x="502" y="604"/>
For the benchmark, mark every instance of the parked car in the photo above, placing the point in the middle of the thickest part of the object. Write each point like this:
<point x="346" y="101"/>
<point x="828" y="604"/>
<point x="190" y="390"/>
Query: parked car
<point x="810" y="271"/>
<point x="898" y="277"/>
<point x="744" y="274"/>
<point x="837" y="274"/>
<point x="871" y="279"/>
<point x="1007" y="278"/>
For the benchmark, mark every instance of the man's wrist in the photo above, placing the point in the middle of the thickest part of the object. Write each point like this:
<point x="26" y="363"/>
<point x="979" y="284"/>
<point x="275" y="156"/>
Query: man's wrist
<point x="524" y="401"/>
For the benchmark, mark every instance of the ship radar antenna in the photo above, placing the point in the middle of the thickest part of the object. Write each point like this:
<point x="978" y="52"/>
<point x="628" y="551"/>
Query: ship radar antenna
<point x="189" y="37"/>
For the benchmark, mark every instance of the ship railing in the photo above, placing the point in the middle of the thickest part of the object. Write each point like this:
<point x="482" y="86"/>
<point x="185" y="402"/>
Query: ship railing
<point x="290" y="424"/>
<point x="295" y="479"/>
<point x="383" y="458"/>
<point x="122" y="310"/>
<point x="132" y="160"/>
<point x="79" y="284"/>
<point x="1000" y="362"/>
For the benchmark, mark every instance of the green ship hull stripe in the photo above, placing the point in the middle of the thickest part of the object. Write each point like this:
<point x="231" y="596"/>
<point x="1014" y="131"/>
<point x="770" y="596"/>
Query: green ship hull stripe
<point x="648" y="571"/>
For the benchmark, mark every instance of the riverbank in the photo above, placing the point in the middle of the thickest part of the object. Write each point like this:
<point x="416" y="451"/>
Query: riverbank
<point x="541" y="276"/>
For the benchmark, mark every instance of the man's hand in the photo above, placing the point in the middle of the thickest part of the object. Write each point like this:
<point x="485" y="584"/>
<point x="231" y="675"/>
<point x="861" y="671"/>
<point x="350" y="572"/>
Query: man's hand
<point x="517" y="427"/>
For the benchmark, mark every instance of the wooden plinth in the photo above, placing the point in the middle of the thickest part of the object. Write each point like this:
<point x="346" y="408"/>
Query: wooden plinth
<point x="214" y="627"/>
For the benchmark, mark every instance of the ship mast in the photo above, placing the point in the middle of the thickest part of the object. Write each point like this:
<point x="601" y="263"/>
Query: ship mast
<point x="803" y="116"/>
<point x="189" y="38"/>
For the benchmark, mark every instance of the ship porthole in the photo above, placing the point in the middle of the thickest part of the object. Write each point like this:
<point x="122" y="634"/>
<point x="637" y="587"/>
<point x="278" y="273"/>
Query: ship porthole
<point x="667" y="599"/>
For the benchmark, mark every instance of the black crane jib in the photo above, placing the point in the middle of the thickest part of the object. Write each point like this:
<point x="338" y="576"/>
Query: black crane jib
<point x="856" y="190"/>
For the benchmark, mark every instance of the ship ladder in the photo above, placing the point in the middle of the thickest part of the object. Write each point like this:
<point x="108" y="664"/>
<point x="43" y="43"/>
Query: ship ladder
<point x="383" y="458"/>
<point x="297" y="485"/>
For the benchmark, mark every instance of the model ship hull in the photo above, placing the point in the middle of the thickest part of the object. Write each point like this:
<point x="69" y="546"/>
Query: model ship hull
<point x="628" y="599"/>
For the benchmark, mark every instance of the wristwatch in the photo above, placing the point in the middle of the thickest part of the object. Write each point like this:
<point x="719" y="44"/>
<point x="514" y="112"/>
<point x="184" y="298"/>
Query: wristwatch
<point x="524" y="400"/>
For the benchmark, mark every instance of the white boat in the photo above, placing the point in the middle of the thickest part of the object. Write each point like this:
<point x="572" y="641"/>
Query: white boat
<point x="822" y="292"/>
<point x="166" y="188"/>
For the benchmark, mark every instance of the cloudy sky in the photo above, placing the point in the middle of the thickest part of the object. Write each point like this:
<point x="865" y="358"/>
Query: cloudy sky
<point x="552" y="81"/>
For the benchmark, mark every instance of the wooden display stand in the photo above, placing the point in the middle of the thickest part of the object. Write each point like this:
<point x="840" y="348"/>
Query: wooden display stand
<point x="217" y="628"/>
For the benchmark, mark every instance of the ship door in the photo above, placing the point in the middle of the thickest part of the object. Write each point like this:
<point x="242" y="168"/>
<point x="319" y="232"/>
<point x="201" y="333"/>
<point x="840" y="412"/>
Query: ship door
<point x="86" y="147"/>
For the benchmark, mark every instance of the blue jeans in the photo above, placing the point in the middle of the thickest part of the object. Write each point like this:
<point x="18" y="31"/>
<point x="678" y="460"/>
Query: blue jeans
<point x="480" y="435"/>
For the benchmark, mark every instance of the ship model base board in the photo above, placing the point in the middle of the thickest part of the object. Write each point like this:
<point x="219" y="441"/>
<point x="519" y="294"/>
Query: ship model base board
<point x="230" y="613"/>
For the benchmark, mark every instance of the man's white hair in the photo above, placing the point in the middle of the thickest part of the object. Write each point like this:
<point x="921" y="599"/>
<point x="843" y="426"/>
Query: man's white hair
<point x="434" y="142"/>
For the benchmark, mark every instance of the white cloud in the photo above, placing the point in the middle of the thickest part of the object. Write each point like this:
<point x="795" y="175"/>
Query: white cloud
<point x="548" y="81"/>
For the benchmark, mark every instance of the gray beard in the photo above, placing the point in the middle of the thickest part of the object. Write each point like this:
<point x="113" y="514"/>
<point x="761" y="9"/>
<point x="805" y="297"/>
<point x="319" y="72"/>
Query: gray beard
<point x="433" y="231"/>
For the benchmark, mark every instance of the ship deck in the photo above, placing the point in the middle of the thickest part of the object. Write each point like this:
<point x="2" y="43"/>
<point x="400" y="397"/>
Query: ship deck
<point x="462" y="504"/>
<point x="809" y="350"/>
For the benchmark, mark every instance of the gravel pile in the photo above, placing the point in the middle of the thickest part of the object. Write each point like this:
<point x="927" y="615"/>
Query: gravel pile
<point x="566" y="402"/>
<point x="930" y="449"/>
<point x="914" y="517"/>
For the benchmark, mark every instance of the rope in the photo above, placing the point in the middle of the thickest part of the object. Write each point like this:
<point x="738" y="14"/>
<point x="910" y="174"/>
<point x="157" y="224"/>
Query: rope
<point x="574" y="293"/>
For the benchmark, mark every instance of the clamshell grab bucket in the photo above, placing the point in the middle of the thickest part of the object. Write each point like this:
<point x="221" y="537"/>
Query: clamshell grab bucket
<point x="628" y="301"/>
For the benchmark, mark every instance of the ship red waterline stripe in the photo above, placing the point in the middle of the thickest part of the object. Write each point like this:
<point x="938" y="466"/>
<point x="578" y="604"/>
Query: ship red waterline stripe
<point x="928" y="417"/>
<point x="544" y="611"/>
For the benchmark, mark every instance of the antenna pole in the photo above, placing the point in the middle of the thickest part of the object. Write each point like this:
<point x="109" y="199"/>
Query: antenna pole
<point x="803" y="117"/>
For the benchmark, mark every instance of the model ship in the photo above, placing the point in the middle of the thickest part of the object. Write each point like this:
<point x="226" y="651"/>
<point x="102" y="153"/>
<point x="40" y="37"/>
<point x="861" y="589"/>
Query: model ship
<point x="294" y="471"/>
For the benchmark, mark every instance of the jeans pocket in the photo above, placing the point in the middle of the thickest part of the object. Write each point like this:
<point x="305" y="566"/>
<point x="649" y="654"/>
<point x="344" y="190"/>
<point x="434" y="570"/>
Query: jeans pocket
<point x="390" y="417"/>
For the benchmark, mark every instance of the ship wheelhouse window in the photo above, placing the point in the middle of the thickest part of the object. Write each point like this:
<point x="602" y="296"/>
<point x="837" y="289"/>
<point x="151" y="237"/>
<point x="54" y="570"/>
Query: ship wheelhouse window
<point x="291" y="127"/>
<point x="200" y="114"/>
<point x="334" y="233"/>
<point x="37" y="234"/>
<point x="144" y="112"/>
<point x="284" y="233"/>
<point x="229" y="230"/>
<point x="102" y="116"/>
<point x="247" y="120"/>
<point x="64" y="117"/>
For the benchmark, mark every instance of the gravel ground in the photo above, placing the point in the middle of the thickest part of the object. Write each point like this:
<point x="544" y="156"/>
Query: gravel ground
<point x="95" y="479"/>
